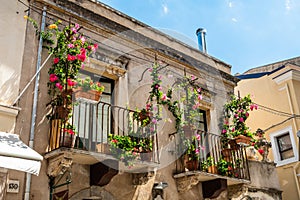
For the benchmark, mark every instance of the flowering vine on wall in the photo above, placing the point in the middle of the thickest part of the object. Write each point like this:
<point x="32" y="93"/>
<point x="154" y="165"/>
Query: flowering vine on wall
<point x="70" y="50"/>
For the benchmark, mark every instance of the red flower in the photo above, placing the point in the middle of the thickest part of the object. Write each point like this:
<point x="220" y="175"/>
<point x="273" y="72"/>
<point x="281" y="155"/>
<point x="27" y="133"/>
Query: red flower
<point x="56" y="60"/>
<point x="71" y="58"/>
<point x="114" y="141"/>
<point x="53" y="78"/>
<point x="81" y="57"/>
<point x="261" y="151"/>
<point x="241" y="119"/>
<point x="71" y="83"/>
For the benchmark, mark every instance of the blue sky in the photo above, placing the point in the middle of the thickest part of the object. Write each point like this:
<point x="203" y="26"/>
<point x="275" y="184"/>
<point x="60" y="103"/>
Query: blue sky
<point x="242" y="33"/>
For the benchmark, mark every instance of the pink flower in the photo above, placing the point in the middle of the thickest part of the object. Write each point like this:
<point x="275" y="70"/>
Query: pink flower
<point x="82" y="39"/>
<point x="74" y="30"/>
<point x="96" y="46"/>
<point x="236" y="115"/>
<point x="160" y="77"/>
<point x="71" y="58"/>
<point x="148" y="106"/>
<point x="151" y="129"/>
<point x="82" y="66"/>
<point x="197" y="151"/>
<point x="247" y="114"/>
<point x="241" y="119"/>
<point x="199" y="97"/>
<point x="150" y="69"/>
<point x="233" y="129"/>
<point x="156" y="86"/>
<point x="193" y="77"/>
<point x="77" y="26"/>
<point x="56" y="60"/>
<point x="253" y="106"/>
<point x="71" y="46"/>
<point x="59" y="86"/>
<point x="198" y="137"/>
<point x="53" y="78"/>
<point x="159" y="88"/>
<point x="164" y="97"/>
<point x="224" y="131"/>
<point x="154" y="121"/>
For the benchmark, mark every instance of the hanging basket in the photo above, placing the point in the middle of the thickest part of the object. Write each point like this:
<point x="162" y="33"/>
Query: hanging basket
<point x="90" y="94"/>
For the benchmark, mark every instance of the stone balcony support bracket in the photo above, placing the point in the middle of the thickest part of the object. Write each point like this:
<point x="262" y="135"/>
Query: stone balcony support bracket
<point x="187" y="182"/>
<point x="142" y="178"/>
<point x="59" y="165"/>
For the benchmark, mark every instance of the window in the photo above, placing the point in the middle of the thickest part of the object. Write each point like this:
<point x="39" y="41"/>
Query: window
<point x="284" y="146"/>
<point x="93" y="119"/>
<point x="202" y="125"/>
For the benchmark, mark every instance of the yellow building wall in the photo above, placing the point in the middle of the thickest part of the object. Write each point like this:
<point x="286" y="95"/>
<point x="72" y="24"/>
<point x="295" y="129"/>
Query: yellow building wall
<point x="284" y="97"/>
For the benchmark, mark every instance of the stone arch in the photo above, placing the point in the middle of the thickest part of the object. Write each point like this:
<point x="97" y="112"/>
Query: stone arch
<point x="93" y="192"/>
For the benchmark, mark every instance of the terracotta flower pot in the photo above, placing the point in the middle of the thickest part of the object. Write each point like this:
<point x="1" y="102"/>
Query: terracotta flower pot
<point x="212" y="169"/>
<point x="192" y="165"/>
<point x="241" y="139"/>
<point x="90" y="94"/>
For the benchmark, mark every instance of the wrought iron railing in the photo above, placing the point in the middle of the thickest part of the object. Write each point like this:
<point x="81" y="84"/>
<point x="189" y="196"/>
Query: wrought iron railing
<point x="93" y="122"/>
<point x="211" y="156"/>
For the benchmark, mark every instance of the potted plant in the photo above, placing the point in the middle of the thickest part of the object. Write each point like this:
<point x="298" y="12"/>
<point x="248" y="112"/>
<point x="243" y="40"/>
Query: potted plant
<point x="222" y="166"/>
<point x="192" y="152"/>
<point x="68" y="135"/>
<point x="144" y="116"/>
<point x="88" y="89"/>
<point x="237" y="112"/>
<point x="124" y="149"/>
<point x="211" y="165"/>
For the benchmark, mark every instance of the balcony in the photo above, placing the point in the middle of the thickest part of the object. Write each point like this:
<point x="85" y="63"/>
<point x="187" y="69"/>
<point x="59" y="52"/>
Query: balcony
<point x="213" y="162"/>
<point x="94" y="121"/>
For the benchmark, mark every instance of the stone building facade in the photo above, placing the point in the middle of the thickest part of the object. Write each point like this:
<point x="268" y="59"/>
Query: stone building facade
<point x="127" y="49"/>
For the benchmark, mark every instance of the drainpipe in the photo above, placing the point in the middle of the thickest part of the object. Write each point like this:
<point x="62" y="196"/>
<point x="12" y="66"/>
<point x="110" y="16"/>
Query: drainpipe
<point x="34" y="105"/>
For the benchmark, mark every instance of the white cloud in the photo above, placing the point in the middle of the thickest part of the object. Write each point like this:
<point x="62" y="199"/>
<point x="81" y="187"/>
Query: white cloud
<point x="165" y="9"/>
<point x="230" y="4"/>
<point x="234" y="19"/>
<point x="288" y="5"/>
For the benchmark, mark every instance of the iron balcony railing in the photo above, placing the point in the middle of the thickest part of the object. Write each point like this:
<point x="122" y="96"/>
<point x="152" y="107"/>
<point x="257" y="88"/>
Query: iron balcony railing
<point x="93" y="122"/>
<point x="211" y="156"/>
